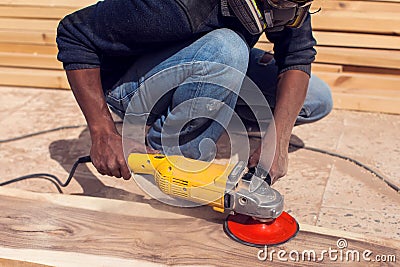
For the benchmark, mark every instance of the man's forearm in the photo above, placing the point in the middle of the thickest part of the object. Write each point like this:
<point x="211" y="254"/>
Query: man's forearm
<point x="87" y="89"/>
<point x="291" y="92"/>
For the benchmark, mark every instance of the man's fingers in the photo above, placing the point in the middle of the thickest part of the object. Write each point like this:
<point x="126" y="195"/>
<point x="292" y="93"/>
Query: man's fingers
<point x="150" y="150"/>
<point x="254" y="158"/>
<point x="102" y="172"/>
<point x="99" y="167"/>
<point x="276" y="176"/>
<point x="273" y="180"/>
<point x="125" y="171"/>
<point x="117" y="173"/>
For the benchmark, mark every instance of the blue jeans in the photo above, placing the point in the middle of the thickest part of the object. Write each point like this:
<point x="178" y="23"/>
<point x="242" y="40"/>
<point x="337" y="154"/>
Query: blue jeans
<point x="196" y="102"/>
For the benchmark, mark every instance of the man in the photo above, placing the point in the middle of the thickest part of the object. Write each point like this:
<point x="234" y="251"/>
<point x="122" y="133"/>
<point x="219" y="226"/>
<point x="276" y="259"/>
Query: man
<point x="111" y="48"/>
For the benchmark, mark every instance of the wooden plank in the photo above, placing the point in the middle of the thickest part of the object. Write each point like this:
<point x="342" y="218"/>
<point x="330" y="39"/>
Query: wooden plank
<point x="371" y="22"/>
<point x="359" y="57"/>
<point x="147" y="230"/>
<point x="29" y="60"/>
<point x="357" y="40"/>
<point x="49" y="25"/>
<point x="369" y="103"/>
<point x="361" y="81"/>
<point x="17" y="263"/>
<point x="28" y="49"/>
<point x="353" y="56"/>
<point x="370" y="70"/>
<point x="326" y="67"/>
<point x="35" y="12"/>
<point x="52" y="3"/>
<point x="28" y="37"/>
<point x="33" y="78"/>
<point x="59" y="258"/>
<point x="364" y="92"/>
<point x="391" y="95"/>
<point x="357" y="6"/>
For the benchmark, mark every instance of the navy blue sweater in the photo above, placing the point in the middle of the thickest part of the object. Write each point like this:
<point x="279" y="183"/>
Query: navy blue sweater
<point x="112" y="33"/>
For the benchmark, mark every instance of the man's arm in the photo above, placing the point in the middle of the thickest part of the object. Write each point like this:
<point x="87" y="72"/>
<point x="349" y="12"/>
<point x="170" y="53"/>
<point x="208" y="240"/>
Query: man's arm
<point x="106" y="151"/>
<point x="291" y="92"/>
<point x="293" y="52"/>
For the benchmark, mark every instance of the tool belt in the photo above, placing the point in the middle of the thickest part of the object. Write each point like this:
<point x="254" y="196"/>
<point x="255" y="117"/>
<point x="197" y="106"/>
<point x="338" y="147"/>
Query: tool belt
<point x="267" y="15"/>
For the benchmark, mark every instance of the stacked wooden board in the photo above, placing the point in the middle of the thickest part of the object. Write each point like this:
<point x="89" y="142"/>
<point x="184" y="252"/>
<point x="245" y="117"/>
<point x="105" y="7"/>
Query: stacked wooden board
<point x="27" y="42"/>
<point x="358" y="52"/>
<point x="358" y="48"/>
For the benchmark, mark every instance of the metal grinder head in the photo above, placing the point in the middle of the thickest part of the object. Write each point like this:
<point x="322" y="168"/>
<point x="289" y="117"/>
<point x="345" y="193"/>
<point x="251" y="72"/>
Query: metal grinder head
<point x="257" y="217"/>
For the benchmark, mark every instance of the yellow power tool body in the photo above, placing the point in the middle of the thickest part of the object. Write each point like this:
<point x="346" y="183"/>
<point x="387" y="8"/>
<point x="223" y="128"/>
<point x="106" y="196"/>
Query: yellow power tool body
<point x="227" y="188"/>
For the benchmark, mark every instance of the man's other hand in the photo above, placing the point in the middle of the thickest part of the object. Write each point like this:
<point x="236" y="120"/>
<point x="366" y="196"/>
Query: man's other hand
<point x="108" y="157"/>
<point x="279" y="165"/>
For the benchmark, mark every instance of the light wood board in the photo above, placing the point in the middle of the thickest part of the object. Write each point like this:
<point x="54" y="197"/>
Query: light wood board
<point x="148" y="231"/>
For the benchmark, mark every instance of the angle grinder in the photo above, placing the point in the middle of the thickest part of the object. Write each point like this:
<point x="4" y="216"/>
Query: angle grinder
<point x="256" y="216"/>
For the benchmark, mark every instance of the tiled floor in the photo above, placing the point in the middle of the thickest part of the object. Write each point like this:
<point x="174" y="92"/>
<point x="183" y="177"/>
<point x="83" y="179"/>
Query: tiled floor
<point x="319" y="189"/>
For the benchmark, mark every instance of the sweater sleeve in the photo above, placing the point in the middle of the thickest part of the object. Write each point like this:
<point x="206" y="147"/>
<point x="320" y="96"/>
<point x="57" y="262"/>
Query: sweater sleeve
<point x="119" y="29"/>
<point x="74" y="40"/>
<point x="294" y="47"/>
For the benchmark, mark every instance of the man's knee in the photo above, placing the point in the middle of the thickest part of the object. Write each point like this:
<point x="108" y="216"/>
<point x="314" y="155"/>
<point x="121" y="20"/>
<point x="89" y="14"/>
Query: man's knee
<point x="226" y="47"/>
<point x="324" y="95"/>
<point x="318" y="102"/>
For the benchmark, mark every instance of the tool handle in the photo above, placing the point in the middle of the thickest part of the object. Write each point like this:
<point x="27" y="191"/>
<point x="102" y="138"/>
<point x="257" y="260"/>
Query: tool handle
<point x="145" y="163"/>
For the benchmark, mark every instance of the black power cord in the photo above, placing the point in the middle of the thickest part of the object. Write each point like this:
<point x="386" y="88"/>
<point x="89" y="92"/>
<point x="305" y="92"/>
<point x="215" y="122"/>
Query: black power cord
<point x="54" y="179"/>
<point x="57" y="182"/>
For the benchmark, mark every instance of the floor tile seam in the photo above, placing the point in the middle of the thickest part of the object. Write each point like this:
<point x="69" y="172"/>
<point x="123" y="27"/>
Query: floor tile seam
<point x="321" y="203"/>
<point x="358" y="209"/>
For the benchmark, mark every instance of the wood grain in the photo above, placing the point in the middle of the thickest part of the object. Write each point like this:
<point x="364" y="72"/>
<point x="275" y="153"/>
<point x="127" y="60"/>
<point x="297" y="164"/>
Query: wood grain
<point x="45" y="3"/>
<point x="148" y="231"/>
<point x="28" y="37"/>
<point x="16" y="263"/>
<point x="352" y="56"/>
<point x="33" y="78"/>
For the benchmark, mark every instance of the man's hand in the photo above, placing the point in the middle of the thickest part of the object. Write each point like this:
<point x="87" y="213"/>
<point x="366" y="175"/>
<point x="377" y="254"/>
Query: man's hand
<point x="108" y="157"/>
<point x="277" y="157"/>
<point x="279" y="165"/>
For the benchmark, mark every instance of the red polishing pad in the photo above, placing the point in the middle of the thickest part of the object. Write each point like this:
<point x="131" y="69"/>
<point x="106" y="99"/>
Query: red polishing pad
<point x="252" y="232"/>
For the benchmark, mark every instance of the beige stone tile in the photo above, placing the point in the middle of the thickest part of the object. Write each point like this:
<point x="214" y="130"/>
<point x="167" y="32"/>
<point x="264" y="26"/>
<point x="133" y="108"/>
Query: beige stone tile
<point x="306" y="179"/>
<point x="373" y="139"/>
<point x="373" y="223"/>
<point x="46" y="109"/>
<point x="14" y="98"/>
<point x="304" y="214"/>
<point x="325" y="133"/>
<point x="37" y="155"/>
<point x="351" y="187"/>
